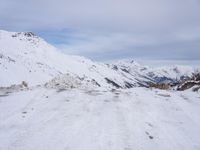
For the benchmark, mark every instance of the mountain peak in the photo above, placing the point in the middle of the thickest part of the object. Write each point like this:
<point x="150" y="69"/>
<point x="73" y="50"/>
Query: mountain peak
<point x="127" y="63"/>
<point x="26" y="34"/>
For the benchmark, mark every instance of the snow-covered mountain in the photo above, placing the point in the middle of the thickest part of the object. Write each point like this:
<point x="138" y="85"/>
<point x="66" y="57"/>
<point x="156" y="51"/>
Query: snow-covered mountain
<point x="130" y="69"/>
<point x="100" y="116"/>
<point x="143" y="75"/>
<point x="27" y="57"/>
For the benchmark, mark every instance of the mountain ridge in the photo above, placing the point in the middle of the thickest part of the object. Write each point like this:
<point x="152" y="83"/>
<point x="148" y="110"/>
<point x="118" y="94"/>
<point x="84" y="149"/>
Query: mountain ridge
<point x="27" y="57"/>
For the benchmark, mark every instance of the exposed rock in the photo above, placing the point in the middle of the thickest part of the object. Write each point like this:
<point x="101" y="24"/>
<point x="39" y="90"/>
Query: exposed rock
<point x="128" y="85"/>
<point x="161" y="86"/>
<point x="25" y="84"/>
<point x="187" y="85"/>
<point x="113" y="83"/>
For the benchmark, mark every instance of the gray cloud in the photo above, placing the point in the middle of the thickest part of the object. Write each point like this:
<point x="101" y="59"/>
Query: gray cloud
<point x="107" y="29"/>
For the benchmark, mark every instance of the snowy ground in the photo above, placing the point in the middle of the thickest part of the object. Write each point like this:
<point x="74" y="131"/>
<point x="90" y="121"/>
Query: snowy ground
<point x="136" y="119"/>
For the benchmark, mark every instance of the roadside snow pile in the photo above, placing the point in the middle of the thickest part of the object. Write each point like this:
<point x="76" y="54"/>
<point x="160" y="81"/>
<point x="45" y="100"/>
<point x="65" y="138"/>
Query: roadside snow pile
<point x="66" y="81"/>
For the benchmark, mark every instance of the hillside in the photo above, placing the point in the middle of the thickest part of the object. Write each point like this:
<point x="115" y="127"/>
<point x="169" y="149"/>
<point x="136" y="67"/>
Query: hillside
<point x="27" y="57"/>
<point x="53" y="101"/>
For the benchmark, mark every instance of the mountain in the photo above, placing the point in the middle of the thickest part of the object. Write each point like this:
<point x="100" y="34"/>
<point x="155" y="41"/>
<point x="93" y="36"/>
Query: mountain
<point x="27" y="57"/>
<point x="144" y="75"/>
<point x="130" y="69"/>
<point x="43" y="106"/>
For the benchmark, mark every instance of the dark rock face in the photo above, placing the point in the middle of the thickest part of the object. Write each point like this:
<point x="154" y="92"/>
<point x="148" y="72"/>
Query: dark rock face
<point x="182" y="84"/>
<point x="113" y="83"/>
<point x="25" y="84"/>
<point x="187" y="85"/>
<point x="115" y="67"/>
<point x="29" y="34"/>
<point x="128" y="85"/>
<point x="96" y="83"/>
<point x="125" y="70"/>
<point x="197" y="77"/>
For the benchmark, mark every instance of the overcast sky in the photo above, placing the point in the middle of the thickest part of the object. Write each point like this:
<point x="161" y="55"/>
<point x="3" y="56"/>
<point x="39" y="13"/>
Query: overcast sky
<point x="111" y="29"/>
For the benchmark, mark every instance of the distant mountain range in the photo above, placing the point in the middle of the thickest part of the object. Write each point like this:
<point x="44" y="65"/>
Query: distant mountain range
<point x="27" y="57"/>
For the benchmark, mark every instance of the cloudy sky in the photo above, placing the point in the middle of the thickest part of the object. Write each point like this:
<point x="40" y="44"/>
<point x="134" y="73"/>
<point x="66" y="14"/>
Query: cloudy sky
<point x="111" y="29"/>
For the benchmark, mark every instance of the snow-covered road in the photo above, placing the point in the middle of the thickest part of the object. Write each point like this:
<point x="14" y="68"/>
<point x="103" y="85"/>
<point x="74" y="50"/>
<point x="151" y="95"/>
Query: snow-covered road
<point x="136" y="119"/>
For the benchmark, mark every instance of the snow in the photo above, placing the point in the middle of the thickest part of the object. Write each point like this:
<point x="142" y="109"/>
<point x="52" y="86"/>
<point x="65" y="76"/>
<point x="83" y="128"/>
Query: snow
<point x="36" y="62"/>
<point x="70" y="105"/>
<point x="176" y="71"/>
<point x="143" y="75"/>
<point x="139" y="118"/>
<point x="27" y="57"/>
